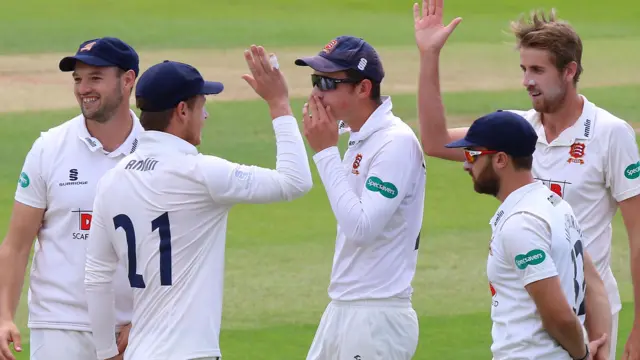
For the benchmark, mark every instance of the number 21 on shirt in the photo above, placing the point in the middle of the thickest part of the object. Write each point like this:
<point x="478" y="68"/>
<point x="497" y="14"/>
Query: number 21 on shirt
<point x="161" y="223"/>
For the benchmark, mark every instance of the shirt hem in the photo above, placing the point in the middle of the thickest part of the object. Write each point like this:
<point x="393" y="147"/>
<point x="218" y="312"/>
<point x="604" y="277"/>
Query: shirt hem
<point x="627" y="194"/>
<point x="539" y="276"/>
<point x="65" y="326"/>
<point x="30" y="202"/>
<point x="284" y="119"/>
<point x="191" y="356"/>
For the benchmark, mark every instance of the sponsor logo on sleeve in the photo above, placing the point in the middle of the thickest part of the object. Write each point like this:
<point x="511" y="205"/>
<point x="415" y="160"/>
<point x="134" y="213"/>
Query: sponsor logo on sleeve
<point x="24" y="180"/>
<point x="244" y="175"/>
<point x="533" y="257"/>
<point x="632" y="171"/>
<point x="386" y="189"/>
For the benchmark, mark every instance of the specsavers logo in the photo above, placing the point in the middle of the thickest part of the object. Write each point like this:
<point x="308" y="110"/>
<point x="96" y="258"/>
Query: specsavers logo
<point x="632" y="171"/>
<point x="24" y="180"/>
<point x="386" y="189"/>
<point x="533" y="257"/>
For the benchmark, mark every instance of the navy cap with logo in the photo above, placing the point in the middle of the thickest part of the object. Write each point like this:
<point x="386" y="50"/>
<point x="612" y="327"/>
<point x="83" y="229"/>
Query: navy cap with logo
<point x="106" y="51"/>
<point x="163" y="86"/>
<point x="502" y="131"/>
<point x="346" y="52"/>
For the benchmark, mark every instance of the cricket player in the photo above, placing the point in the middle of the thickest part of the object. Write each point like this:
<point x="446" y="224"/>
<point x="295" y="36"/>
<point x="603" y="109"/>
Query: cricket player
<point x="54" y="202"/>
<point x="584" y="153"/>
<point x="164" y="210"/>
<point x="376" y="191"/>
<point x="542" y="283"/>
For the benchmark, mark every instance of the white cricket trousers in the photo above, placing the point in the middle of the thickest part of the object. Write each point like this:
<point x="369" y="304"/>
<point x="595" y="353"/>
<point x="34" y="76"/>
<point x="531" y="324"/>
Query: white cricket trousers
<point x="366" y="330"/>
<point x="53" y="344"/>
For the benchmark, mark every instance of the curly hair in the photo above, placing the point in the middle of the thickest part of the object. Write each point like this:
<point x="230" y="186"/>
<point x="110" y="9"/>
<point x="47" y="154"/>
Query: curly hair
<point x="547" y="32"/>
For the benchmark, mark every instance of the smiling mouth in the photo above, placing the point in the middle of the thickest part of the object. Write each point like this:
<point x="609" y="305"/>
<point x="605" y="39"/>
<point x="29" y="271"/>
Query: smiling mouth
<point x="89" y="100"/>
<point x="534" y="93"/>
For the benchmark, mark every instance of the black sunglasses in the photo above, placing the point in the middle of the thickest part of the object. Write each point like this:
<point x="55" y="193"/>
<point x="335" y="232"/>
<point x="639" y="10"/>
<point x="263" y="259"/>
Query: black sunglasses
<point x="325" y="83"/>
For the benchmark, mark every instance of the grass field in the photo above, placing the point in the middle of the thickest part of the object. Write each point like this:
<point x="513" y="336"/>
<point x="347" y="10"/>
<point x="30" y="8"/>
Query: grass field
<point x="279" y="256"/>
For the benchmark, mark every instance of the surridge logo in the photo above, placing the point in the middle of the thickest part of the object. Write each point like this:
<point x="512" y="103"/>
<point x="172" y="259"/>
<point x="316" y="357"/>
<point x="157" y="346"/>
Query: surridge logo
<point x="73" y="179"/>
<point x="386" y="189"/>
<point x="533" y="257"/>
<point x="632" y="171"/>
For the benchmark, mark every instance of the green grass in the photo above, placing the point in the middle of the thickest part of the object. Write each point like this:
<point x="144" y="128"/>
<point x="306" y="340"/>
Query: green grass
<point x="224" y="23"/>
<point x="278" y="267"/>
<point x="279" y="256"/>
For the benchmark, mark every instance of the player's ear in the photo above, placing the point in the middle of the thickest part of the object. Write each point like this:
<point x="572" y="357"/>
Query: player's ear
<point x="364" y="88"/>
<point x="570" y="70"/>
<point x="129" y="79"/>
<point x="500" y="160"/>
<point x="182" y="112"/>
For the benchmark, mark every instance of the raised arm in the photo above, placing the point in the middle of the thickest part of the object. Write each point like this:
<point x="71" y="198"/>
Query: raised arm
<point x="229" y="182"/>
<point x="431" y="36"/>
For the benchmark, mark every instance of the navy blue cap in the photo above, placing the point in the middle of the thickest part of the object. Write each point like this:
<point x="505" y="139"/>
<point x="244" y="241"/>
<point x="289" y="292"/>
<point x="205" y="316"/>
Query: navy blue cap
<point x="106" y="51"/>
<point x="346" y="52"/>
<point x="163" y="86"/>
<point x="503" y="131"/>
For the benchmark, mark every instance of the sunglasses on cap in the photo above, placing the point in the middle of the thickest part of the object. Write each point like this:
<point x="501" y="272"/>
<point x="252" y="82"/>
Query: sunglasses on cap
<point x="472" y="155"/>
<point x="325" y="83"/>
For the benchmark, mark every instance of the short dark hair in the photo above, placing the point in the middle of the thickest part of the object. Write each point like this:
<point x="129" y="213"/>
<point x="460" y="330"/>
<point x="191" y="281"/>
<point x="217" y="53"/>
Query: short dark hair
<point x="375" y="85"/>
<point x="522" y="162"/>
<point x="159" y="120"/>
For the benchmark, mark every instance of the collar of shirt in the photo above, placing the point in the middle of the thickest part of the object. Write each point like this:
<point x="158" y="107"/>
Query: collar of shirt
<point x="379" y="119"/>
<point x="128" y="146"/>
<point x="160" y="141"/>
<point x="581" y="129"/>
<point x="511" y="201"/>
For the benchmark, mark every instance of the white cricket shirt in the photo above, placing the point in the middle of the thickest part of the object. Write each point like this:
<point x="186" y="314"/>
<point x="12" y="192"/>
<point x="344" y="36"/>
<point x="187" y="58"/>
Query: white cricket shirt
<point x="164" y="211"/>
<point x="535" y="236"/>
<point x="60" y="174"/>
<point x="593" y="165"/>
<point x="377" y="195"/>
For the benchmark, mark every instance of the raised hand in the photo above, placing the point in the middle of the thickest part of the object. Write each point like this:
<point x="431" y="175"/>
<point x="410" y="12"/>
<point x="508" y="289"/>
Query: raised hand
<point x="266" y="81"/>
<point x="431" y="34"/>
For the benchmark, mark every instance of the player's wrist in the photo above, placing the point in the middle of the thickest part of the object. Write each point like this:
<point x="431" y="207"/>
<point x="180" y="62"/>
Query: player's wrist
<point x="586" y="354"/>
<point x="280" y="108"/>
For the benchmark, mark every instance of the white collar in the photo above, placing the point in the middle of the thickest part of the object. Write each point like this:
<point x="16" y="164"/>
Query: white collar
<point x="166" y="142"/>
<point x="381" y="118"/>
<point x="127" y="147"/>
<point x="511" y="201"/>
<point x="582" y="129"/>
